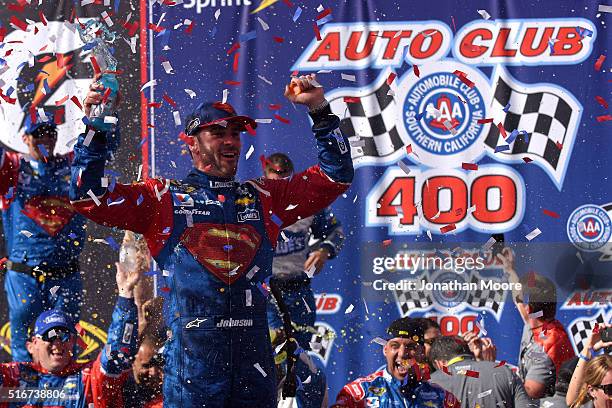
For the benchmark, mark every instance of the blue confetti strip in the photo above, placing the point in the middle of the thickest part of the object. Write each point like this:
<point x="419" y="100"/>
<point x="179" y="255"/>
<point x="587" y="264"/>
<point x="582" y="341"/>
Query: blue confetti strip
<point x="247" y="36"/>
<point x="43" y="150"/>
<point x="213" y="32"/>
<point x="29" y="88"/>
<point x="113" y="182"/>
<point x="140" y="200"/>
<point x="298" y="13"/>
<point x="166" y="230"/>
<point x="276" y="220"/>
<point x="325" y="19"/>
<point x="512" y="136"/>
<point x="10" y="91"/>
<point x="263" y="290"/>
<point x="46" y="86"/>
<point x="117" y="3"/>
<point x="507" y="107"/>
<point x="502" y="148"/>
<point x="228" y="248"/>
<point x="111" y="242"/>
<point x="9" y="193"/>
<point x="72" y="235"/>
<point x="525" y="134"/>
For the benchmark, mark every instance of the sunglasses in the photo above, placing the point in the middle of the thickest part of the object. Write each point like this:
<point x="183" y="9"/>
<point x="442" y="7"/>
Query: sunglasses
<point x="62" y="335"/>
<point x="607" y="389"/>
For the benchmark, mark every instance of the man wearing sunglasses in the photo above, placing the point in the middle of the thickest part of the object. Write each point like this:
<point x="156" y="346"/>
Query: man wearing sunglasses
<point x="214" y="238"/>
<point x="296" y="261"/>
<point x="403" y="382"/>
<point x="54" y="369"/>
<point x="44" y="235"/>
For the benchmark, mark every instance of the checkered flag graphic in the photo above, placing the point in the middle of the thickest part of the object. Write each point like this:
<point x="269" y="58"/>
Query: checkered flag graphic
<point x="322" y="341"/>
<point x="369" y="121"/>
<point x="492" y="299"/>
<point x="606" y="250"/>
<point x="580" y="330"/>
<point x="549" y="118"/>
<point x="411" y="300"/>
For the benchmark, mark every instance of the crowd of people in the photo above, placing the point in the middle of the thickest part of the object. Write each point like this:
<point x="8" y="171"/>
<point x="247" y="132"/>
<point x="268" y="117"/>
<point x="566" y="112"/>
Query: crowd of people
<point x="235" y="329"/>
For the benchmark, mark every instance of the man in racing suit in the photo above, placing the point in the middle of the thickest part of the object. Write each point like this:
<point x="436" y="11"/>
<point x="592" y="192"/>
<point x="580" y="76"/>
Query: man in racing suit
<point x="54" y="376"/>
<point x="296" y="260"/>
<point x="403" y="382"/>
<point x="44" y="235"/>
<point x="214" y="239"/>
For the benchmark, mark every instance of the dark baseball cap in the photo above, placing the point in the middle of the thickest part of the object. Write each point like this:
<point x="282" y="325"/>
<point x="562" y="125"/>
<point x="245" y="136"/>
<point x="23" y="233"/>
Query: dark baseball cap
<point x="51" y="319"/>
<point x="407" y="328"/>
<point x="214" y="113"/>
<point x="31" y="128"/>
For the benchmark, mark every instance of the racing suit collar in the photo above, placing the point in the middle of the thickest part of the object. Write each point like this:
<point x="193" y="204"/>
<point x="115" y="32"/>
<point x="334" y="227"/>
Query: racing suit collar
<point x="198" y="177"/>
<point x="71" y="368"/>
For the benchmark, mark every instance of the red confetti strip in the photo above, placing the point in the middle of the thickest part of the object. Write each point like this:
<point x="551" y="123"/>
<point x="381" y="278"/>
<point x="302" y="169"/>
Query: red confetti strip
<point x="61" y="101"/>
<point x="157" y="29"/>
<point x="596" y="329"/>
<point x="446" y="370"/>
<point x="2" y="33"/>
<point x="131" y="27"/>
<point x="288" y="2"/>
<point x="448" y="228"/>
<point x="230" y="82"/>
<point x="107" y="93"/>
<point x="7" y="98"/>
<point x="602" y="101"/>
<point x="236" y="59"/>
<point x="94" y="64"/>
<point x="263" y="161"/>
<point x="527" y="160"/>
<point x="169" y="100"/>
<point x="501" y="363"/>
<point x="42" y="17"/>
<point x="58" y="116"/>
<point x="463" y="78"/>
<point x="550" y="213"/>
<point x="18" y="23"/>
<point x="76" y="102"/>
<point x="221" y="198"/>
<point x="250" y="129"/>
<point x="484" y="121"/>
<point x="154" y="105"/>
<point x="317" y="32"/>
<point x="351" y="99"/>
<point x="599" y="62"/>
<point x="186" y="139"/>
<point x="324" y="13"/>
<point x="604" y="118"/>
<point x="386" y="242"/>
<point x="233" y="48"/>
<point x="559" y="145"/>
<point x="44" y="59"/>
<point x="502" y="130"/>
<point x="415" y="68"/>
<point x="165" y="289"/>
<point x="409" y="149"/>
<point x="469" y="166"/>
<point x="278" y="39"/>
<point x="274" y="106"/>
<point x="79" y="329"/>
<point x="473" y="374"/>
<point x="81" y="343"/>
<point x="284" y="120"/>
<point x="391" y="77"/>
<point x="189" y="28"/>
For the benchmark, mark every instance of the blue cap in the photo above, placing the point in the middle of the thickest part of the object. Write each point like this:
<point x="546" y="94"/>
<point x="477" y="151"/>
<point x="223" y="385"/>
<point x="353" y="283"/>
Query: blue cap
<point x="212" y="113"/>
<point x="31" y="127"/>
<point x="50" y="319"/>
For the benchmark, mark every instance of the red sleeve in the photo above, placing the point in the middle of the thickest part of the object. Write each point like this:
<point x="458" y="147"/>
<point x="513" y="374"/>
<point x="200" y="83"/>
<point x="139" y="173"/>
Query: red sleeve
<point x="101" y="389"/>
<point x="558" y="346"/>
<point x="286" y="201"/>
<point x="346" y="399"/>
<point x="9" y="171"/>
<point x="145" y="208"/>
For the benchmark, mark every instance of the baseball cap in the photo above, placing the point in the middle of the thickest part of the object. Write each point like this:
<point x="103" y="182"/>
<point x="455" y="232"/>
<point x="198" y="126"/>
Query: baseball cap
<point x="213" y="113"/>
<point x="407" y="328"/>
<point x="50" y="319"/>
<point x="30" y="127"/>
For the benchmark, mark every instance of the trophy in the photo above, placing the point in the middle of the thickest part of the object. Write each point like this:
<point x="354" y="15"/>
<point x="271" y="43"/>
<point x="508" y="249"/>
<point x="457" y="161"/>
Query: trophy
<point x="97" y="38"/>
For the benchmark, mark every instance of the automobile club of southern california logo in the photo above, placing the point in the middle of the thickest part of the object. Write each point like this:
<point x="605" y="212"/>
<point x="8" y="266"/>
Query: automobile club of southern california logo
<point x="589" y="227"/>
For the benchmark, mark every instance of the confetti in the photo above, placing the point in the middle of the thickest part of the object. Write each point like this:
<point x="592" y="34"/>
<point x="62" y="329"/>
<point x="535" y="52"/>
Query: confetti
<point x="604" y="9"/>
<point x="26" y="233"/>
<point x="348" y="77"/>
<point x="217" y="14"/>
<point x="291" y="207"/>
<point x="550" y="213"/>
<point x="252" y="272"/>
<point x="403" y="166"/>
<point x="463" y="78"/>
<point x="349" y="309"/>
<point x="250" y="152"/>
<point x="602" y="102"/>
<point x="489" y="244"/>
<point x="502" y="148"/>
<point x="599" y="62"/>
<point x="263" y="24"/>
<point x="501" y="363"/>
<point x="447" y="228"/>
<point x="484" y="121"/>
<point x="484" y="14"/>
<point x="261" y="370"/>
<point x="387" y="242"/>
<point x="379" y="340"/>
<point x="604" y="118"/>
<point x="415" y="68"/>
<point x="536" y="315"/>
<point x="248" y="297"/>
<point x="297" y="14"/>
<point x="264" y="79"/>
<point x="93" y="197"/>
<point x="533" y="234"/>
<point x="473" y="374"/>
<point x="311" y="271"/>
<point x="317" y="32"/>
<point x="148" y="84"/>
<point x="167" y="67"/>
<point x="391" y="78"/>
<point x="485" y="393"/>
<point x="284" y="120"/>
<point x="469" y="166"/>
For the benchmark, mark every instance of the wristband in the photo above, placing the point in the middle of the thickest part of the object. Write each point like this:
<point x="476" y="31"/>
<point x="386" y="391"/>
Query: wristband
<point x="583" y="357"/>
<point x="319" y="107"/>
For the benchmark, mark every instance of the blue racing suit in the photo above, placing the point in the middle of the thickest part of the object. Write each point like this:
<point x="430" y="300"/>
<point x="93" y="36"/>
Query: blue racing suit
<point x="99" y="382"/>
<point x="214" y="240"/>
<point x="294" y="245"/>
<point x="381" y="390"/>
<point x="44" y="237"/>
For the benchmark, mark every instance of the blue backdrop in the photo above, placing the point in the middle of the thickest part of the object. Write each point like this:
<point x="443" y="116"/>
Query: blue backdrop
<point x="415" y="83"/>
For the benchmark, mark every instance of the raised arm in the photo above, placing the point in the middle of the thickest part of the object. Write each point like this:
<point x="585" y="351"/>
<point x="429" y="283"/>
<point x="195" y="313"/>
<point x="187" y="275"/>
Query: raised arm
<point x="327" y="229"/>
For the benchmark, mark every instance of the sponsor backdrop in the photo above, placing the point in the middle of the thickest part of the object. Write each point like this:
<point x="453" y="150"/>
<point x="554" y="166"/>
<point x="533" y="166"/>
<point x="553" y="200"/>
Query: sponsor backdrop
<point x="517" y="92"/>
<point x="43" y="65"/>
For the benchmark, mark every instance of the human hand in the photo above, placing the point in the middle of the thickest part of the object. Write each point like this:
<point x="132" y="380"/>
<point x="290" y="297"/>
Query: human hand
<point x="482" y="348"/>
<point x="595" y="342"/>
<point x="302" y="90"/>
<point x="95" y="96"/>
<point x="127" y="279"/>
<point x="318" y="259"/>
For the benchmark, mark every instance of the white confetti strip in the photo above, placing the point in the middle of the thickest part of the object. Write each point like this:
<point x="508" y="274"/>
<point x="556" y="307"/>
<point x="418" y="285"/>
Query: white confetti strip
<point x="485" y="393"/>
<point x="167" y="67"/>
<point x="267" y="81"/>
<point x="107" y="19"/>
<point x="429" y="235"/>
<point x="249" y="152"/>
<point x="86" y="2"/>
<point x="263" y="120"/>
<point x="252" y="272"/>
<point x="258" y="367"/>
<point x="190" y="93"/>
<point x="379" y="340"/>
<point x="324" y="71"/>
<point x="234" y="271"/>
<point x="110" y="119"/>
<point x="349" y="309"/>
<point x="489" y="244"/>
<point x="604" y="8"/>
<point x="307" y="307"/>
<point x="348" y="77"/>
<point x="536" y="315"/>
<point x="93" y="197"/>
<point x="225" y="95"/>
<point x="217" y="14"/>
<point x="471" y="209"/>
<point x="177" y="118"/>
<point x="89" y="137"/>
<point x="189" y="219"/>
<point x="104" y="182"/>
<point x="310" y="272"/>
<point x="264" y="25"/>
<point x="150" y="83"/>
<point x="357" y="143"/>
<point x="54" y="290"/>
<point x="533" y="234"/>
<point x="484" y="14"/>
<point x="248" y="297"/>
<point x="26" y="233"/>
<point x="404" y="167"/>
<point x="291" y="207"/>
